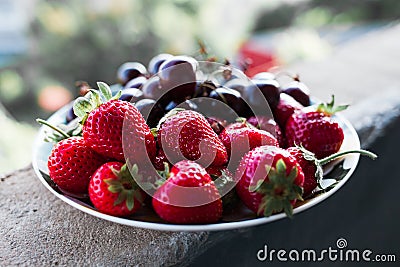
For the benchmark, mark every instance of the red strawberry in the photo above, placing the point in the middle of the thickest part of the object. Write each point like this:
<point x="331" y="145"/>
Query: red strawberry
<point x="245" y="139"/>
<point x="270" y="180"/>
<point x="188" y="135"/>
<point x="71" y="164"/>
<point x="188" y="196"/>
<point x="269" y="125"/>
<point x="105" y="125"/>
<point x="309" y="169"/>
<point x="286" y="107"/>
<point x="113" y="191"/>
<point x="315" y="130"/>
<point x="312" y="167"/>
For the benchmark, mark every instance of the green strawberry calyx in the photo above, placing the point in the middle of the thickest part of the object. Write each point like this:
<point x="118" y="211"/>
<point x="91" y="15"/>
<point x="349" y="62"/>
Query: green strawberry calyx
<point x="244" y="121"/>
<point x="309" y="156"/>
<point x="279" y="190"/>
<point x="61" y="131"/>
<point x="329" y="108"/>
<point x="83" y="105"/>
<point x="125" y="186"/>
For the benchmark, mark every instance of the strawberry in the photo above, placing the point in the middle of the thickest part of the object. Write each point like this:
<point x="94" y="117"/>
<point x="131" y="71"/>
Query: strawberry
<point x="269" y="125"/>
<point x="312" y="167"/>
<point x="106" y="124"/>
<point x="160" y="160"/>
<point x="245" y="139"/>
<point x="315" y="130"/>
<point x="188" y="196"/>
<point x="186" y="134"/>
<point x="71" y="163"/>
<point x="286" y="107"/>
<point x="113" y="191"/>
<point x="269" y="180"/>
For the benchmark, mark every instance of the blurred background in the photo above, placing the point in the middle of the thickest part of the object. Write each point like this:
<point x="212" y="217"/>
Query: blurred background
<point x="46" y="46"/>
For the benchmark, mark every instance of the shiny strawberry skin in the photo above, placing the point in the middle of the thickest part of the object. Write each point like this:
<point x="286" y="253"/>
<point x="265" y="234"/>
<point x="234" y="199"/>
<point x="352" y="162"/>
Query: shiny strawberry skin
<point x="103" y="131"/>
<point x="71" y="163"/>
<point x="309" y="169"/>
<point x="239" y="138"/>
<point x="253" y="168"/>
<point x="186" y="175"/>
<point x="103" y="199"/>
<point x="286" y="107"/>
<point x="186" y="135"/>
<point x="315" y="131"/>
<point x="269" y="125"/>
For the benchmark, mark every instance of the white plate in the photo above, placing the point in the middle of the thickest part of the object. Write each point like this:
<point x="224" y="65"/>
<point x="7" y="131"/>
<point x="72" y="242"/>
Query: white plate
<point x="242" y="217"/>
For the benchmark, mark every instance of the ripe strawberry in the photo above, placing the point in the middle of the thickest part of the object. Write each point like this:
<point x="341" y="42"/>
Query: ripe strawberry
<point x="105" y="125"/>
<point x="188" y="196"/>
<point x="187" y="135"/>
<point x="71" y="164"/>
<point x="309" y="169"/>
<point x="245" y="139"/>
<point x="286" y="107"/>
<point x="270" y="180"/>
<point x="113" y="191"/>
<point x="315" y="130"/>
<point x="312" y="167"/>
<point x="269" y="125"/>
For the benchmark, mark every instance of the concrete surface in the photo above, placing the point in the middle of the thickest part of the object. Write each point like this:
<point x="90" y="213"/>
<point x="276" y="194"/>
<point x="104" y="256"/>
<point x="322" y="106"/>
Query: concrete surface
<point x="39" y="229"/>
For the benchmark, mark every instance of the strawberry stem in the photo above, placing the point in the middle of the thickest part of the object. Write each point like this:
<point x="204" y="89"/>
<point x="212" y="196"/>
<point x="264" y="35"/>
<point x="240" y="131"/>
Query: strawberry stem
<point x="342" y="153"/>
<point x="55" y="128"/>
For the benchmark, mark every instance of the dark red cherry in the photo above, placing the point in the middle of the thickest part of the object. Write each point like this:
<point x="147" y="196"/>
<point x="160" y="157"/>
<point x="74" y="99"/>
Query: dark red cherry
<point x="155" y="62"/>
<point x="216" y="124"/>
<point x="299" y="91"/>
<point x="259" y="88"/>
<point x="129" y="71"/>
<point x="237" y="84"/>
<point x="178" y="77"/>
<point x="136" y="82"/>
<point x="233" y="99"/>
<point x="150" y="110"/>
<point x="131" y="95"/>
<point x="204" y="88"/>
<point x="70" y="115"/>
<point x="187" y="104"/>
<point x="152" y="88"/>
<point x="264" y="76"/>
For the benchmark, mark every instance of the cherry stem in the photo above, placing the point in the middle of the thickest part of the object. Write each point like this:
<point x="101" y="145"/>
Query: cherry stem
<point x="338" y="154"/>
<point x="64" y="134"/>
<point x="292" y="75"/>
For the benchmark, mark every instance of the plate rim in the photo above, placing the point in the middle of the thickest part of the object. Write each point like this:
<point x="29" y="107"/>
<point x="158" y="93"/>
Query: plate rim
<point x="221" y="226"/>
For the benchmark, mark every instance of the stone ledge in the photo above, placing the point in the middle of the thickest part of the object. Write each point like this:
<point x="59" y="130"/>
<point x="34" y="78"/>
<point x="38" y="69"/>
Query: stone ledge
<point x="40" y="229"/>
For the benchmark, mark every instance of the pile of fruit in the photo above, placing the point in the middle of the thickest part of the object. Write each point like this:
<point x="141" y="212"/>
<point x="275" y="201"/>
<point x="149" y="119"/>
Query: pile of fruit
<point x="154" y="140"/>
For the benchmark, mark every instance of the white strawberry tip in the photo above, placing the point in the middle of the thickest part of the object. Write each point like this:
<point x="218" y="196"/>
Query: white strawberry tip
<point x="279" y="192"/>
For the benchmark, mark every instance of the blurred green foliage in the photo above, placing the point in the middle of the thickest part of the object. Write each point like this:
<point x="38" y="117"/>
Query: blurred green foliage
<point x="75" y="40"/>
<point x="315" y="13"/>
